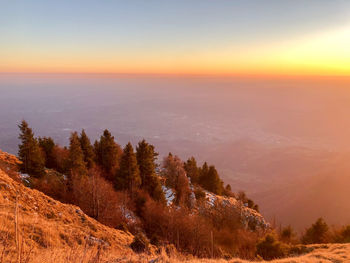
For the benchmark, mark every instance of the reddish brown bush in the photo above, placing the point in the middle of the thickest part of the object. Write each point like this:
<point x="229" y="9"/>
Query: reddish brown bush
<point x="97" y="198"/>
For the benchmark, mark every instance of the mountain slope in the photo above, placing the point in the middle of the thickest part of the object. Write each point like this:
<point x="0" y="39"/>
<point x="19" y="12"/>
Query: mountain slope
<point x="46" y="223"/>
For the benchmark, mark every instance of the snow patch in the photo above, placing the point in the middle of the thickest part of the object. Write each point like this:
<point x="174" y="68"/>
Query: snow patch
<point x="169" y="195"/>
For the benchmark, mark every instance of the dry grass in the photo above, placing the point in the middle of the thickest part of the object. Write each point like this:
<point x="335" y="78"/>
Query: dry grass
<point x="49" y="231"/>
<point x="44" y="224"/>
<point x="9" y="164"/>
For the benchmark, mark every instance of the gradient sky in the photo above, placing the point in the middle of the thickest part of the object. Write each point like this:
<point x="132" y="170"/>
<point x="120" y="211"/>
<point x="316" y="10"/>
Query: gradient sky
<point x="179" y="36"/>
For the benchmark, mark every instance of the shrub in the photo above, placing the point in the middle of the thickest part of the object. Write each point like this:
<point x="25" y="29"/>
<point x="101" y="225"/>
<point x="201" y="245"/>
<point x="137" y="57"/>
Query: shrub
<point x="287" y="234"/>
<point x="343" y="236"/>
<point x="140" y="243"/>
<point x="269" y="248"/>
<point x="199" y="194"/>
<point x="52" y="184"/>
<point x="123" y="227"/>
<point x="317" y="233"/>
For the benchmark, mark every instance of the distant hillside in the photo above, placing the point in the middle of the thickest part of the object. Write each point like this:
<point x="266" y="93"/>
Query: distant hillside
<point x="294" y="185"/>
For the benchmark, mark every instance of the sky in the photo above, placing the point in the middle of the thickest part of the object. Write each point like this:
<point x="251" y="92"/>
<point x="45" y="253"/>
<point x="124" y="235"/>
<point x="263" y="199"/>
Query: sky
<point x="176" y="37"/>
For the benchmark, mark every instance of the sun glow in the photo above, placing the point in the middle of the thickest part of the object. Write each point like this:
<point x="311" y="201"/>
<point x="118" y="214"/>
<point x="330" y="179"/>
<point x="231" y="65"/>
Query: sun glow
<point x="326" y="53"/>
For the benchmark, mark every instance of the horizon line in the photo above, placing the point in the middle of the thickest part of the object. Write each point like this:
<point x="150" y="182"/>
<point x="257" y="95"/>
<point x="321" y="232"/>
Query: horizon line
<point x="224" y="75"/>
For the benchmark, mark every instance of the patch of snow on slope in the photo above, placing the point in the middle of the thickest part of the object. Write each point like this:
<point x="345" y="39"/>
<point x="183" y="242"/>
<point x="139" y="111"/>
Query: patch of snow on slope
<point x="25" y="178"/>
<point x="169" y="195"/>
<point x="210" y="197"/>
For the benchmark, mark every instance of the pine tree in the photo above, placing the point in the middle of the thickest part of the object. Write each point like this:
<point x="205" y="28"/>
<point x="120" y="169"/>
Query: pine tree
<point x="87" y="149"/>
<point x="210" y="179"/>
<point x="76" y="164"/>
<point x="203" y="172"/>
<point x="146" y="157"/>
<point x="192" y="170"/>
<point x="128" y="176"/>
<point x="318" y="233"/>
<point x="47" y="144"/>
<point x="29" y="152"/>
<point x="108" y="153"/>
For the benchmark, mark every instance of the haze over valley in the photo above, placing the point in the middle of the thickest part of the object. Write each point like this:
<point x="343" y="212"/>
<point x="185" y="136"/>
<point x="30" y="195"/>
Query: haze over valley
<point x="276" y="138"/>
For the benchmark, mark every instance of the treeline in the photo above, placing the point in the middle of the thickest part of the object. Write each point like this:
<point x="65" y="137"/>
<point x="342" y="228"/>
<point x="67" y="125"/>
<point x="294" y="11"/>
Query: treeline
<point x="124" y="189"/>
<point x="285" y="241"/>
<point x="125" y="168"/>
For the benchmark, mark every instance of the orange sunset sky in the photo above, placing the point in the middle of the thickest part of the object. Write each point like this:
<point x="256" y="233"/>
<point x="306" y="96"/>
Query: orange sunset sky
<point x="176" y="37"/>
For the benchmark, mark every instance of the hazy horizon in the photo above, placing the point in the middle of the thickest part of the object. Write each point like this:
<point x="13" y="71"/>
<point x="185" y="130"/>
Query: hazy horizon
<point x="262" y="134"/>
<point x="251" y="98"/>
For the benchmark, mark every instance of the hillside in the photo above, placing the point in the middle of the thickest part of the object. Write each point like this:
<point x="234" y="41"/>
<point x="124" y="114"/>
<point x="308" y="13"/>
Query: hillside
<point x="43" y="223"/>
<point x="48" y="228"/>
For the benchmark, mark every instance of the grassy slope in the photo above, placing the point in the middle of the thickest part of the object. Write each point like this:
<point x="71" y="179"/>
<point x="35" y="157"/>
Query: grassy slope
<point x="50" y="231"/>
<point x="44" y="223"/>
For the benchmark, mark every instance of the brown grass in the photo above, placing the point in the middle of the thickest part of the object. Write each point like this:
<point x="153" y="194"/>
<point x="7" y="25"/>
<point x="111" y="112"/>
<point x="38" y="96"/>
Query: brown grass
<point x="44" y="224"/>
<point x="49" y="231"/>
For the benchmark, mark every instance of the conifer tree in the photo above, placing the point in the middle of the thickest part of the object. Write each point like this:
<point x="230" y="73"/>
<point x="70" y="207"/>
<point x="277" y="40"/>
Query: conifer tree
<point x="87" y="149"/>
<point x="128" y="176"/>
<point x="76" y="162"/>
<point x="203" y="171"/>
<point x="108" y="153"/>
<point x="47" y="145"/>
<point x="192" y="170"/>
<point x="146" y="157"/>
<point x="29" y="152"/>
<point x="210" y="180"/>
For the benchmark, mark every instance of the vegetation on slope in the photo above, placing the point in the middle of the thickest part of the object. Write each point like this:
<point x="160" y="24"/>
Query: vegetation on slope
<point x="178" y="204"/>
<point x="123" y="188"/>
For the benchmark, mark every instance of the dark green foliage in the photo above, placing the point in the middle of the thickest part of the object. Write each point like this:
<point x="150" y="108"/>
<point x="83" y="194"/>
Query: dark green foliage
<point x="192" y="170"/>
<point x="76" y="164"/>
<point x="107" y="153"/>
<point x="128" y="176"/>
<point x="87" y="149"/>
<point x="47" y="145"/>
<point x="343" y="236"/>
<point x="203" y="171"/>
<point x="140" y="243"/>
<point x="246" y="201"/>
<point x="252" y="205"/>
<point x="210" y="180"/>
<point x="199" y="194"/>
<point x="269" y="248"/>
<point x="317" y="233"/>
<point x="287" y="234"/>
<point x="228" y="191"/>
<point x="140" y="198"/>
<point x="146" y="157"/>
<point x="29" y="152"/>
